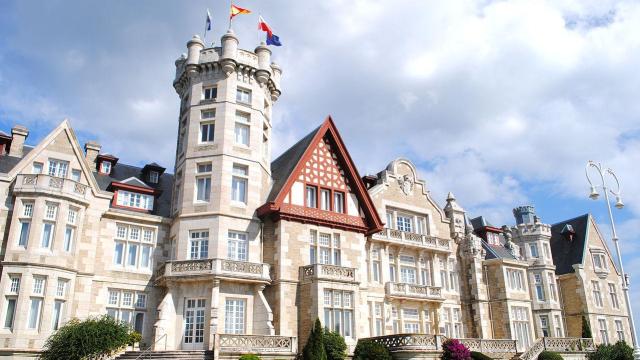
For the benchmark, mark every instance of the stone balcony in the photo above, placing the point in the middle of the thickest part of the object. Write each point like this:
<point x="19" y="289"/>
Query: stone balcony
<point x="413" y="291"/>
<point x="51" y="185"/>
<point x="273" y="345"/>
<point x="327" y="272"/>
<point x="405" y="238"/>
<point x="222" y="269"/>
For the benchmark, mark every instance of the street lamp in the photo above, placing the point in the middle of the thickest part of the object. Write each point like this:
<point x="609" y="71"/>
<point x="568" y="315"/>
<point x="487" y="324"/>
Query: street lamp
<point x="614" y="236"/>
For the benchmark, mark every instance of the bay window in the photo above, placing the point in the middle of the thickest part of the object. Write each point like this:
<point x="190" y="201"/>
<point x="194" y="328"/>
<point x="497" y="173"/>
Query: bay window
<point x="338" y="311"/>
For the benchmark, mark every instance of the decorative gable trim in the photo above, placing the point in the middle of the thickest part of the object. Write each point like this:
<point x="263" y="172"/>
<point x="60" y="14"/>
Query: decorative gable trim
<point x="134" y="181"/>
<point x="133" y="188"/>
<point x="371" y="223"/>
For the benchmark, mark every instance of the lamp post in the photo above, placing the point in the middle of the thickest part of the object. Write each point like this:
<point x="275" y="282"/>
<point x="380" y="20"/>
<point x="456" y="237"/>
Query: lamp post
<point x="614" y="236"/>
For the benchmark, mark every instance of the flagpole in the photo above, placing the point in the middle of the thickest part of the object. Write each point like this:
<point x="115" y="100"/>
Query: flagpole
<point x="230" y="16"/>
<point x="206" y="25"/>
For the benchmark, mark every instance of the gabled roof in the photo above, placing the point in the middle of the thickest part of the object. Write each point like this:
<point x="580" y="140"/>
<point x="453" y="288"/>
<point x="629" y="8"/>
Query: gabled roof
<point x="567" y="252"/>
<point x="7" y="163"/>
<point x="135" y="182"/>
<point x="287" y="166"/>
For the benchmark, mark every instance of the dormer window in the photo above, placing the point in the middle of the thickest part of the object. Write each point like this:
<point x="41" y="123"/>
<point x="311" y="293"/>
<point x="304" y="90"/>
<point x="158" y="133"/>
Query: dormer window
<point x="134" y="200"/>
<point x="600" y="263"/>
<point x="154" y="176"/>
<point x="105" y="167"/>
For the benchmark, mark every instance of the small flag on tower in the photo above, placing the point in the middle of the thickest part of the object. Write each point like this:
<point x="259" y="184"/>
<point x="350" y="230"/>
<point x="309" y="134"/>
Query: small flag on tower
<point x="272" y="39"/>
<point x="236" y="10"/>
<point x="208" y="24"/>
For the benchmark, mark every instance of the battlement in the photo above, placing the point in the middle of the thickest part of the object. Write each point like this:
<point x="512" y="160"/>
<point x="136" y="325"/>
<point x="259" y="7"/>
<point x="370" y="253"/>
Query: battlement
<point x="228" y="59"/>
<point x="531" y="229"/>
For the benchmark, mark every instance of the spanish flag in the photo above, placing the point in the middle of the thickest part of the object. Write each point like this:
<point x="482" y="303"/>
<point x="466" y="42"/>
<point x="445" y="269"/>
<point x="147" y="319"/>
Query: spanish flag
<point x="236" y="10"/>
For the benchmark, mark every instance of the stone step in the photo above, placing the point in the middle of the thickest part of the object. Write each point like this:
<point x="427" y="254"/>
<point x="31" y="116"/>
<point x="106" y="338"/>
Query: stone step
<point x="177" y="354"/>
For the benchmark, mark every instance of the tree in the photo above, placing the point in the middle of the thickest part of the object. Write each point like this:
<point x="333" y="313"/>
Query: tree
<point x="314" y="349"/>
<point x="334" y="345"/>
<point x="91" y="338"/>
<point x="586" y="328"/>
<point x="619" y="351"/>
<point x="369" y="350"/>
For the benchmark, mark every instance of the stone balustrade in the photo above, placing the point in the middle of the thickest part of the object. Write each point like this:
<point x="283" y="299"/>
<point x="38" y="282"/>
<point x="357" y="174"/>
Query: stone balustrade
<point x="413" y="291"/>
<point x="257" y="344"/>
<point x="47" y="184"/>
<point x="413" y="239"/>
<point x="559" y="345"/>
<point x="491" y="346"/>
<point x="410" y="342"/>
<point x="218" y="268"/>
<point x="327" y="272"/>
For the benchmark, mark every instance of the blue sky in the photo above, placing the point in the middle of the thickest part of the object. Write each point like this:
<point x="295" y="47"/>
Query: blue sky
<point x="500" y="102"/>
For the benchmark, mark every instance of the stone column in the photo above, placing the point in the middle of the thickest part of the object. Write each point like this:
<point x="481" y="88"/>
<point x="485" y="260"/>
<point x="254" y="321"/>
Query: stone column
<point x="213" y="315"/>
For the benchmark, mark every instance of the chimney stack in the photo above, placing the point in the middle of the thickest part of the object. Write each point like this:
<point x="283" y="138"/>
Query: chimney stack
<point x="92" y="149"/>
<point x="19" y="133"/>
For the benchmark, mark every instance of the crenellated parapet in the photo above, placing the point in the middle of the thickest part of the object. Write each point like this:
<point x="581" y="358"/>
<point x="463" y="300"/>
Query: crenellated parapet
<point x="527" y="230"/>
<point x="227" y="60"/>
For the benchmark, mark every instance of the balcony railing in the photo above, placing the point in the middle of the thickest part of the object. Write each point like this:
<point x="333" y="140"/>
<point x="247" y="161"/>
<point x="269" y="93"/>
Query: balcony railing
<point x="413" y="291"/>
<point x="558" y="345"/>
<point x="327" y="272"/>
<point x="221" y="268"/>
<point x="413" y="239"/>
<point x="491" y="346"/>
<point x="259" y="344"/>
<point x="410" y="342"/>
<point x="50" y="184"/>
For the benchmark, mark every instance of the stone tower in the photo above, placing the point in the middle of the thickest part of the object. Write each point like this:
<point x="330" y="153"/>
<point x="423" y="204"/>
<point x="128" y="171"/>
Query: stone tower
<point x="222" y="175"/>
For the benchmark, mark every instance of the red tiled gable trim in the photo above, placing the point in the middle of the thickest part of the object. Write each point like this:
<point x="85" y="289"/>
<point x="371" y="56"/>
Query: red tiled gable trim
<point x="139" y="189"/>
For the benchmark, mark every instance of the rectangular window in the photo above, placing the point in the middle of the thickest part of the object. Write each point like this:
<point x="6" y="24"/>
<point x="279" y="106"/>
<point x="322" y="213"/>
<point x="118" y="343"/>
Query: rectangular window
<point x="10" y="313"/>
<point x="338" y="202"/>
<point x="389" y="223"/>
<point x="27" y="210"/>
<point x="105" y="167"/>
<point x="206" y="132"/>
<point x="604" y="333"/>
<point x="404" y="223"/>
<point x="154" y="176"/>
<point x="134" y="200"/>
<point x="313" y="253"/>
<point x="325" y="199"/>
<point x="515" y="279"/>
<point x="127" y="299"/>
<point x="145" y="257"/>
<point x="614" y="296"/>
<point x="600" y="262"/>
<point x="558" y="321"/>
<point x="547" y="250"/>
<point x="619" y="330"/>
<point x="51" y="211"/>
<point x="208" y="114"/>
<point x="234" y="316"/>
<point x="133" y="255"/>
<point x="57" y="313"/>
<point x="72" y="215"/>
<point x="209" y="93"/>
<point x="118" y="253"/>
<point x="553" y="292"/>
<point x="539" y="288"/>
<point x="203" y="189"/>
<point x="14" y="286"/>
<point x="338" y="314"/>
<point x="113" y="298"/>
<point x="47" y="235"/>
<point x="34" y="313"/>
<point x="61" y="289"/>
<point x="68" y="238"/>
<point x="199" y="244"/>
<point x="58" y="168"/>
<point x="243" y="96"/>
<point x="597" y="296"/>
<point x="312" y="196"/>
<point x="24" y="233"/>
<point x="239" y="183"/>
<point x="37" y="168"/>
<point x="544" y="325"/>
<point x="242" y="128"/>
<point x="533" y="248"/>
<point x="141" y="300"/>
<point x="237" y="245"/>
<point x="75" y="175"/>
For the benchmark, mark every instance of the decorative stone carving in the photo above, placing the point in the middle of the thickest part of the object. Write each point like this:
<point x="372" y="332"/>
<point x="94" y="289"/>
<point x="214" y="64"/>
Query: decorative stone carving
<point x="406" y="184"/>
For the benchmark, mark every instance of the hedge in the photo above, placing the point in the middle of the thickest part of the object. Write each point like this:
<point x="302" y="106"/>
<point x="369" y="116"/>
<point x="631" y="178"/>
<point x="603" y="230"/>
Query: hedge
<point x="549" y="355"/>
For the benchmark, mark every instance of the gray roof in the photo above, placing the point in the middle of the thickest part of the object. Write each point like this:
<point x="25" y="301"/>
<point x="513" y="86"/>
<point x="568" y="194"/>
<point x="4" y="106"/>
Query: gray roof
<point x="498" y="251"/>
<point x="282" y="167"/>
<point x="7" y="163"/>
<point x="480" y="222"/>
<point x="568" y="252"/>
<point x="121" y="172"/>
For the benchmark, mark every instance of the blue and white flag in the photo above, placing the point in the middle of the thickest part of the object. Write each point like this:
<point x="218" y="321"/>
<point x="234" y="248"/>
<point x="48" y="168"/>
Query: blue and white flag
<point x="208" y="25"/>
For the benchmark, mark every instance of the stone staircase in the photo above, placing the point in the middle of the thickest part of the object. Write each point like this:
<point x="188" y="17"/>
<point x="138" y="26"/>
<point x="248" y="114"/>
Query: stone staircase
<point x="169" y="355"/>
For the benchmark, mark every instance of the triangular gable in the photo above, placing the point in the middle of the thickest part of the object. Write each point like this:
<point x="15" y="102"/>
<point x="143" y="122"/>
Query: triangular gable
<point x="321" y="158"/>
<point x="135" y="182"/>
<point x="63" y="128"/>
<point x="603" y="242"/>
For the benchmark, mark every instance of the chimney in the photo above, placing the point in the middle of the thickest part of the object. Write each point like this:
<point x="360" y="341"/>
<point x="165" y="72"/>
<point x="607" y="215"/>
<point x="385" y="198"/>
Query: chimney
<point x="19" y="133"/>
<point x="92" y="149"/>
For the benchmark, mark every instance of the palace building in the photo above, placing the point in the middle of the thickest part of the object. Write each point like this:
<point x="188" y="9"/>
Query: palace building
<point x="235" y="253"/>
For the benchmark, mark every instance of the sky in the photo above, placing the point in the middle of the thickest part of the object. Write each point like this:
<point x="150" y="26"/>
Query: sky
<point x="500" y="102"/>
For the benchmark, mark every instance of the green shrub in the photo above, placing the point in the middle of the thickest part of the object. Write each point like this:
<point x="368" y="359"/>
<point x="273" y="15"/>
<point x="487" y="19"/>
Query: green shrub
<point x="479" y="356"/>
<point x="249" y="357"/>
<point x="134" y="337"/>
<point x="549" y="355"/>
<point x="586" y="328"/>
<point x="619" y="351"/>
<point x="93" y="337"/>
<point x="369" y="350"/>
<point x="334" y="345"/>
<point x="314" y="349"/>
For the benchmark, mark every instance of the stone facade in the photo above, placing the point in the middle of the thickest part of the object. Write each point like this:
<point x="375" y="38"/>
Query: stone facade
<point x="235" y="253"/>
